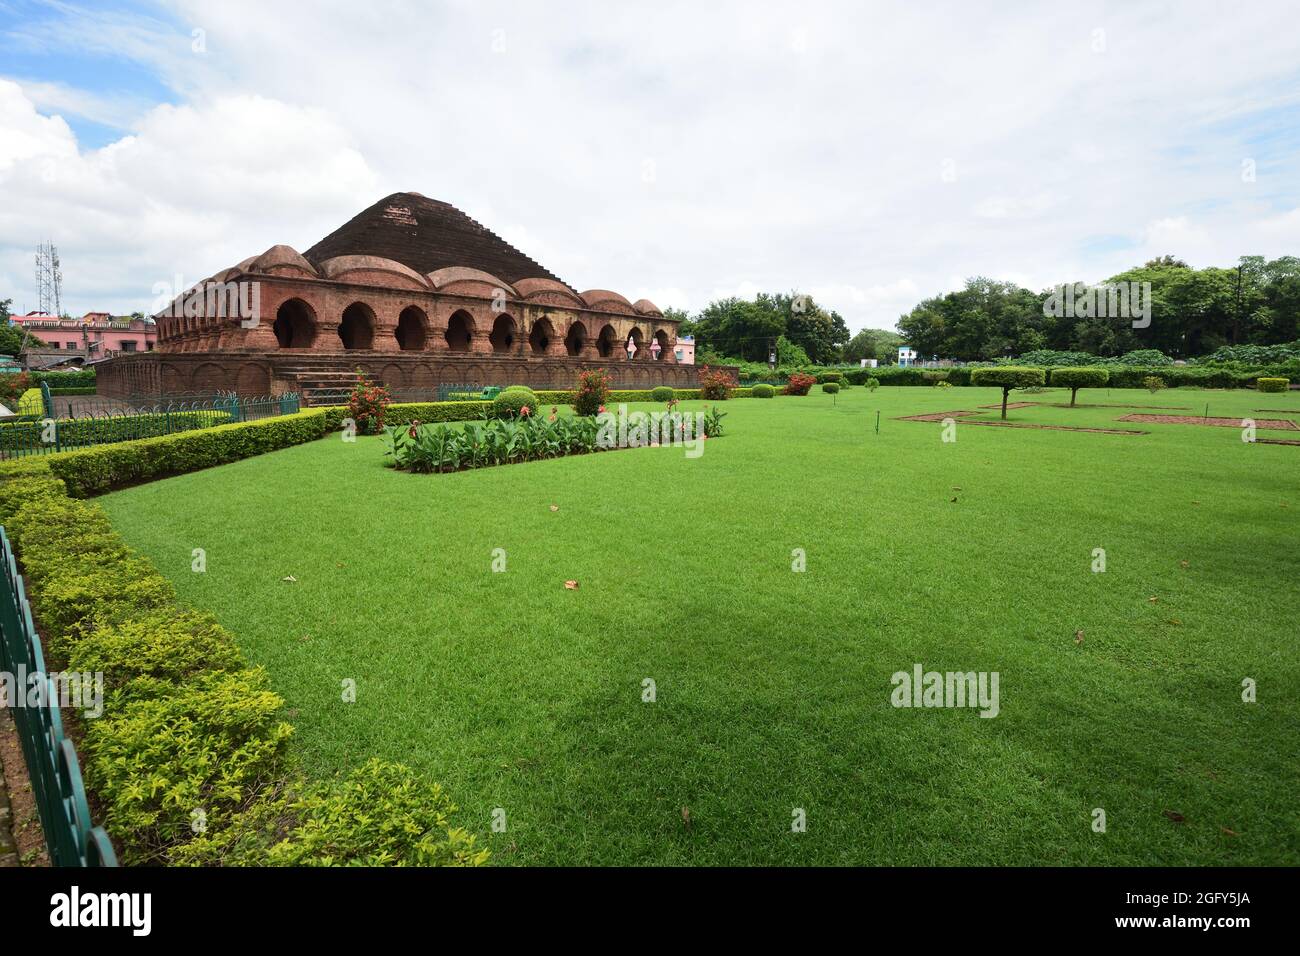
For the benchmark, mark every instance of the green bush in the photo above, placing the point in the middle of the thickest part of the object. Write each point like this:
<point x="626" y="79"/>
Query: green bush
<point x="161" y="645"/>
<point x="1273" y="384"/>
<point x="934" y="375"/>
<point x="380" y="815"/>
<point x="830" y="388"/>
<point x="208" y="745"/>
<point x="81" y="379"/>
<point x="824" y="377"/>
<point x="1077" y="378"/>
<point x="763" y="391"/>
<point x="1007" y="377"/>
<point x="1153" y="383"/>
<point x="661" y="393"/>
<point x="81" y="432"/>
<point x="873" y="384"/>
<point x="103" y="467"/>
<point x="511" y="402"/>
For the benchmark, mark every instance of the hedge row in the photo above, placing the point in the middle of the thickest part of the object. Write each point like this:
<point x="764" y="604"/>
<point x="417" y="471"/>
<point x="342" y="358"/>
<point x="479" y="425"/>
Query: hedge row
<point x="82" y="379"/>
<point x="16" y="436"/>
<point x="94" y="470"/>
<point x="188" y="763"/>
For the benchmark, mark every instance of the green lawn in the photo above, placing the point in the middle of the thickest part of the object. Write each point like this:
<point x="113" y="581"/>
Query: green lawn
<point x="773" y="687"/>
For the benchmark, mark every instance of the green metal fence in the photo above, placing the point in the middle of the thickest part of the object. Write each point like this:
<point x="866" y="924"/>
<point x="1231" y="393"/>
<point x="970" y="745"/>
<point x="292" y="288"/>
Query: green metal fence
<point x="105" y="424"/>
<point x="57" y="786"/>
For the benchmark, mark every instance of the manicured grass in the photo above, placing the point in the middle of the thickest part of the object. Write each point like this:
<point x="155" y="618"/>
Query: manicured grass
<point x="773" y="687"/>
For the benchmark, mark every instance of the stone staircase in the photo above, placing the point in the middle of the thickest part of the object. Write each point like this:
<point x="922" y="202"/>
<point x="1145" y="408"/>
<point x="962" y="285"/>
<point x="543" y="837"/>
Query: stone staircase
<point x="319" y="383"/>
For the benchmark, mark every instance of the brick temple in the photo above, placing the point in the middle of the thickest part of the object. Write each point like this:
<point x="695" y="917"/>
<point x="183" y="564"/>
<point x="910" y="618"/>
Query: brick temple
<point x="412" y="291"/>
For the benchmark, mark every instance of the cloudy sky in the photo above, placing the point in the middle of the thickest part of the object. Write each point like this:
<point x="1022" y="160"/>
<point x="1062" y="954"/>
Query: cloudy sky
<point x="871" y="154"/>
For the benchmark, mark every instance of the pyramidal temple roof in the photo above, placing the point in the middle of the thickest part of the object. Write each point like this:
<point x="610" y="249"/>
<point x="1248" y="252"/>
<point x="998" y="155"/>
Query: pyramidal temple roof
<point x="426" y="235"/>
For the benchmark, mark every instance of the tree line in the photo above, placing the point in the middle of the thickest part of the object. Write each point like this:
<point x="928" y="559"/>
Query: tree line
<point x="1193" y="312"/>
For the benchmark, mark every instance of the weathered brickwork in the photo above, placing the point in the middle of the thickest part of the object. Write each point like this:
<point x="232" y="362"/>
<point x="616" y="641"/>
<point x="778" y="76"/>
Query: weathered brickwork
<point x="360" y="298"/>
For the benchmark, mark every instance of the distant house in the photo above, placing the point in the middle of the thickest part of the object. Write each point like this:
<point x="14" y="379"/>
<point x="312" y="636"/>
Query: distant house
<point x="906" y="356"/>
<point x="94" y="336"/>
<point x="684" y="350"/>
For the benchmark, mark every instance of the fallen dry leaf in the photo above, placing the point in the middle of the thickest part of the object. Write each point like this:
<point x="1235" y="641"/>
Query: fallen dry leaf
<point x="1078" y="637"/>
<point x="1229" y="832"/>
<point x="954" y="500"/>
<point x="555" y="507"/>
<point x="1154" y="600"/>
<point x="1182" y="564"/>
<point x="686" y="816"/>
<point x="1173" y="815"/>
<point x="290" y="579"/>
<point x="571" y="585"/>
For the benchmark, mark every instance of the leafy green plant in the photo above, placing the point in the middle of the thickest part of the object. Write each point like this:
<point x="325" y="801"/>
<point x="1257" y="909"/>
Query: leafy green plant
<point x="873" y="383"/>
<point x="763" y="391"/>
<point x="1153" y="383"/>
<point x="830" y="388"/>
<point x="512" y="402"/>
<point x="713" y="417"/>
<point x="661" y="393"/>
<point x="1007" y="377"/>
<point x="1273" y="384"/>
<point x="1077" y="378"/>
<point x="367" y="405"/>
<point x="592" y="392"/>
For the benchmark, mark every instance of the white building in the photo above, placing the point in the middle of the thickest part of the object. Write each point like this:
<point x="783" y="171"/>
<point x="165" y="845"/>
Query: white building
<point x="906" y="356"/>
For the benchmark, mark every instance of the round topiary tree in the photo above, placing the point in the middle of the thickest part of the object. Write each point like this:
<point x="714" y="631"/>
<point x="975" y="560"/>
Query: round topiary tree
<point x="762" y="390"/>
<point x="830" y="388"/>
<point x="1007" y="377"/>
<point x="1089" y="376"/>
<point x="511" y="402"/>
<point x="661" y="393"/>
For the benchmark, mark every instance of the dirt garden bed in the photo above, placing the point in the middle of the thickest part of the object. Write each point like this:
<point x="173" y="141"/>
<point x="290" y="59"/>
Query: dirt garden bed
<point x="963" y="416"/>
<point x="1280" y="424"/>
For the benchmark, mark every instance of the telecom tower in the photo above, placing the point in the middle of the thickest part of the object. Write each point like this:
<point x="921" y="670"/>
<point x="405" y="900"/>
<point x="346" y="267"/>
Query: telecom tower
<point x="49" y="285"/>
<point x="49" y="280"/>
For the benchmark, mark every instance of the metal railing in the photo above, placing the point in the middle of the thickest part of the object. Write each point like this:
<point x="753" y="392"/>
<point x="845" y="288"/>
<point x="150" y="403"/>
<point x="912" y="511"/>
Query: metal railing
<point x="86" y="425"/>
<point x="57" y="786"/>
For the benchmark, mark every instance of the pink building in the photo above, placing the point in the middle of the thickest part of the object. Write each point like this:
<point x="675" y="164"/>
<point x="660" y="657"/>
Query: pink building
<point x="94" y="336"/>
<point x="685" y="350"/>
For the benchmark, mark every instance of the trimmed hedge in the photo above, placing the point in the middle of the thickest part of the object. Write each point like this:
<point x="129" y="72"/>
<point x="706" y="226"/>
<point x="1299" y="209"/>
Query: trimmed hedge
<point x="189" y="732"/>
<point x="511" y="402"/>
<point x="1008" y="377"/>
<point x="1077" y="378"/>
<point x="94" y="470"/>
<point x="661" y="393"/>
<point x="1273" y="384"/>
<point x="17" y="436"/>
<point x="763" y="391"/>
<point x="830" y="388"/>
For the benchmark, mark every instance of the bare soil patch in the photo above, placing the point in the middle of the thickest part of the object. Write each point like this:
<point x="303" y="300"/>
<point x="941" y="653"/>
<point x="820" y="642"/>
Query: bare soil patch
<point x="1282" y="424"/>
<point x="964" y="417"/>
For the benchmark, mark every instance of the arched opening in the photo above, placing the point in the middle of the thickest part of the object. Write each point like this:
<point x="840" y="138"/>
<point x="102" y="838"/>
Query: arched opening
<point x="605" y="342"/>
<point x="357" y="327"/>
<point x="665" y="346"/>
<point x="503" y="334"/>
<point x="460" y="327"/>
<point x="411" y="334"/>
<point x="639" y="341"/>
<point x="541" y="336"/>
<point x="576" y="339"/>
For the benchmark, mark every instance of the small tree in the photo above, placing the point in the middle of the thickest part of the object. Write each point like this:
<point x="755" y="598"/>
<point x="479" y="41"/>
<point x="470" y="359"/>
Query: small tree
<point x="1007" y="378"/>
<point x="1080" y="377"/>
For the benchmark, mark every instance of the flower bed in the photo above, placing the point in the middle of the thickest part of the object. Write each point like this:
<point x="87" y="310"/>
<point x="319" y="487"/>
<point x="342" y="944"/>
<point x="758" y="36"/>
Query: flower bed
<point x="429" y="448"/>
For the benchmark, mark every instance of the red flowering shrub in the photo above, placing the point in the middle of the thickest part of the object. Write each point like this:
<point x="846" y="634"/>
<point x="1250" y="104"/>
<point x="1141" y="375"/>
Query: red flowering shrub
<point x="368" y="404"/>
<point x="799" y="384"/>
<point x="592" y="392"/>
<point x="715" y="385"/>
